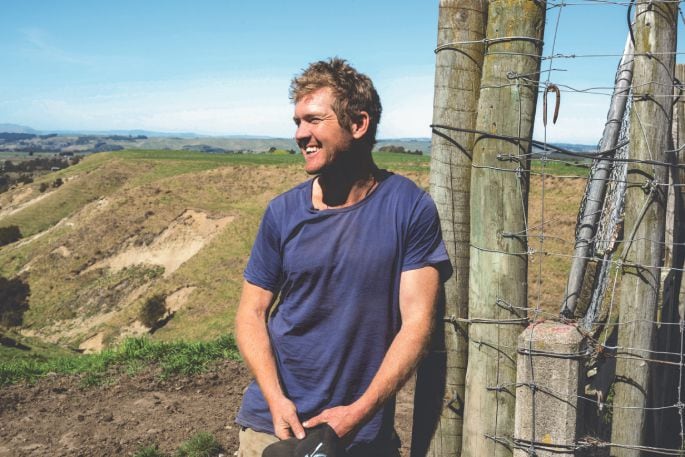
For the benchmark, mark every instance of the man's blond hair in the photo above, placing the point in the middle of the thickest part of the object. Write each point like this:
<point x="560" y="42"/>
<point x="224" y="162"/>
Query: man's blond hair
<point x="353" y="93"/>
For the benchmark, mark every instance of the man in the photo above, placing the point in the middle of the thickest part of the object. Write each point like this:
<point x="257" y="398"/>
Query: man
<point x="356" y="257"/>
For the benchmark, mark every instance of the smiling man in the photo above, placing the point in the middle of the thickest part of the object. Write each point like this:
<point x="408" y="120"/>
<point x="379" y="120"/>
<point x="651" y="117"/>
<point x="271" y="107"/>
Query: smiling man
<point x="356" y="259"/>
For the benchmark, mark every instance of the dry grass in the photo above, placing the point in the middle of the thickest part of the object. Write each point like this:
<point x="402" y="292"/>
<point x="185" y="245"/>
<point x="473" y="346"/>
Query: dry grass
<point x="552" y="223"/>
<point x="111" y="202"/>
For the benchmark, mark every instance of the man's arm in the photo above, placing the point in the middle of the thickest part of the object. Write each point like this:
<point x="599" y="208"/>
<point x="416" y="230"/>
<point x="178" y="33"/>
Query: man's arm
<point x="254" y="344"/>
<point x="418" y="297"/>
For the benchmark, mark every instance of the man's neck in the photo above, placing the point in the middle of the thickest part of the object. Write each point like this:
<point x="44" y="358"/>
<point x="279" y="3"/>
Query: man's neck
<point x="345" y="185"/>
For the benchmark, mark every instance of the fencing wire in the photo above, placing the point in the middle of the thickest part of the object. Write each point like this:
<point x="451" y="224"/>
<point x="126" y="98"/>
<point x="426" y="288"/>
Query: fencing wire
<point x="607" y="234"/>
<point x="605" y="242"/>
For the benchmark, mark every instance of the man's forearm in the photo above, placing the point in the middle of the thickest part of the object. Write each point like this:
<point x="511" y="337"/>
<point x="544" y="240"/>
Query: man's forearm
<point x="398" y="365"/>
<point x="253" y="341"/>
<point x="255" y="346"/>
<point x="418" y="297"/>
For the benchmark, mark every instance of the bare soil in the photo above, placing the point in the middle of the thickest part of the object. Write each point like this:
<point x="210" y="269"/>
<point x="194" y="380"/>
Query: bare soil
<point x="58" y="416"/>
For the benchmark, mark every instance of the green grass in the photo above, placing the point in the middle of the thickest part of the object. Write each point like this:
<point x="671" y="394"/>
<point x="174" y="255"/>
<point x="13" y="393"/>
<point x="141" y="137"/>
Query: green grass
<point x="172" y="357"/>
<point x="202" y="444"/>
<point x="559" y="168"/>
<point x="189" y="161"/>
<point x="210" y="160"/>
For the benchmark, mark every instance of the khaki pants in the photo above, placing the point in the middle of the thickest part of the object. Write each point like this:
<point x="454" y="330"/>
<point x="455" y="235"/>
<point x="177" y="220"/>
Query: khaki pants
<point x="252" y="444"/>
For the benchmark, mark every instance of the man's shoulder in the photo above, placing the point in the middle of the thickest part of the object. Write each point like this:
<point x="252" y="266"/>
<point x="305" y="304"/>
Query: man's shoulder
<point x="293" y="196"/>
<point x="401" y="186"/>
<point x="400" y="181"/>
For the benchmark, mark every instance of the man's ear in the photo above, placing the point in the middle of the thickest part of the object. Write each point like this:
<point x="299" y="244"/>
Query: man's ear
<point x="360" y="125"/>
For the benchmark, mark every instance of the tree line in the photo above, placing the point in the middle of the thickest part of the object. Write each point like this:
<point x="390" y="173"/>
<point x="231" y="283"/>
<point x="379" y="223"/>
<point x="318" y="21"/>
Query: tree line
<point x="23" y="172"/>
<point x="399" y="150"/>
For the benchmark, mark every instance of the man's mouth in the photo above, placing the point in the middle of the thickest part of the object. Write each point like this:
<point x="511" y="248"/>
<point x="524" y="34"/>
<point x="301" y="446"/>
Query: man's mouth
<point x="311" y="150"/>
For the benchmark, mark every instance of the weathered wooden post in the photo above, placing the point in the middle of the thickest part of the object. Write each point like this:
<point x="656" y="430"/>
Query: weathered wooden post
<point x="438" y="411"/>
<point x="675" y="209"/>
<point x="655" y="33"/>
<point x="663" y="420"/>
<point x="499" y="199"/>
<point x="676" y="157"/>
<point x="679" y="174"/>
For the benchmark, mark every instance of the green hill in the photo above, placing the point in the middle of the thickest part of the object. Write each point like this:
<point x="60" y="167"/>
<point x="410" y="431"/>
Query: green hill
<point x="132" y="228"/>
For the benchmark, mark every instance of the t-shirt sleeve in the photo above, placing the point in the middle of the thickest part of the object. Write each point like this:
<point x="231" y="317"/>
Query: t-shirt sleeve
<point x="424" y="244"/>
<point x="264" y="267"/>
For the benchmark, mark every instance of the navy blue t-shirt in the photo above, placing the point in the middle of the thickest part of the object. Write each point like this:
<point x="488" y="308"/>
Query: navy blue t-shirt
<point x="338" y="275"/>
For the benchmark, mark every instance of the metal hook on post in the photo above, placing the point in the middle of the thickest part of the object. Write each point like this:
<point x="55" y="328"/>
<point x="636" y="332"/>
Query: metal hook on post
<point x="555" y="89"/>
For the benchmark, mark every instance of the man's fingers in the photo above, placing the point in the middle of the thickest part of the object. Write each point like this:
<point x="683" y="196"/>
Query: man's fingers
<point x="288" y="427"/>
<point x="282" y="430"/>
<point x="286" y="423"/>
<point x="297" y="428"/>
<point x="282" y="433"/>
<point x="314" y="421"/>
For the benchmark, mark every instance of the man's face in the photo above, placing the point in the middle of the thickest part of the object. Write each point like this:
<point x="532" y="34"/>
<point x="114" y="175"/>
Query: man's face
<point x="319" y="135"/>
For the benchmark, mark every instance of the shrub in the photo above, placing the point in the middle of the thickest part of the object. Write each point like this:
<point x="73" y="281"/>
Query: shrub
<point x="43" y="187"/>
<point x="202" y="444"/>
<point x="14" y="303"/>
<point x="152" y="310"/>
<point x="9" y="234"/>
<point x="57" y="182"/>
<point x="5" y="182"/>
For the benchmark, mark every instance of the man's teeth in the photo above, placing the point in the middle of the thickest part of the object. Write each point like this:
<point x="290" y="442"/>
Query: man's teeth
<point x="311" y="149"/>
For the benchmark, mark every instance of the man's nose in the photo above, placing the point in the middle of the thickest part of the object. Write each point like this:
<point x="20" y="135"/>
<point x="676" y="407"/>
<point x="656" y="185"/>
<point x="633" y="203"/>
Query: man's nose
<point x="302" y="131"/>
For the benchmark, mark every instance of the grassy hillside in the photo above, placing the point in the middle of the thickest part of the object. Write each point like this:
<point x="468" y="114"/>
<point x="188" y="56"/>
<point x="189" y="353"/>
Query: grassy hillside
<point x="131" y="227"/>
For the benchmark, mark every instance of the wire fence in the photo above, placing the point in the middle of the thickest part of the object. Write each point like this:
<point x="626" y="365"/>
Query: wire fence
<point x="606" y="257"/>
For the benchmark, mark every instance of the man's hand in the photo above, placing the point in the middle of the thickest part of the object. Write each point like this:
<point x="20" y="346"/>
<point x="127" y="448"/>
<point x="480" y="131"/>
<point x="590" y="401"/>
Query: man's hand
<point x="286" y="422"/>
<point x="342" y="419"/>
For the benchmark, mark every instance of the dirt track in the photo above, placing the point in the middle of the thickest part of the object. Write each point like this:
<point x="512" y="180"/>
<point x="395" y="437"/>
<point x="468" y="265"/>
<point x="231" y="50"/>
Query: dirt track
<point x="58" y="417"/>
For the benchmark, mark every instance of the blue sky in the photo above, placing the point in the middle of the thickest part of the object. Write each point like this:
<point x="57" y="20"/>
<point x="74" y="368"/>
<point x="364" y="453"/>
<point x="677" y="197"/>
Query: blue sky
<point x="223" y="67"/>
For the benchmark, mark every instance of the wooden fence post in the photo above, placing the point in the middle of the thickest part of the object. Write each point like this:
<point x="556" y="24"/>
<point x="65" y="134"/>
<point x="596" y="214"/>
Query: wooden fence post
<point x="499" y="200"/>
<point x="663" y="420"/>
<point x="438" y="410"/>
<point x="650" y="124"/>
<point x="679" y="175"/>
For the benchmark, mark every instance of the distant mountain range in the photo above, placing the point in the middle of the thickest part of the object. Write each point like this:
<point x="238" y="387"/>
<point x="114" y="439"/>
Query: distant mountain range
<point x="16" y="128"/>
<point x="101" y="140"/>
